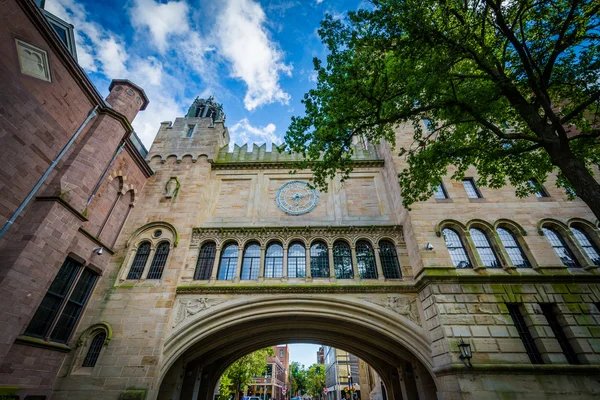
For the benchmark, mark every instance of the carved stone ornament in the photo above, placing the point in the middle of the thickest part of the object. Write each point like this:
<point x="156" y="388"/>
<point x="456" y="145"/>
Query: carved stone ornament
<point x="405" y="306"/>
<point x="187" y="308"/>
<point x="172" y="187"/>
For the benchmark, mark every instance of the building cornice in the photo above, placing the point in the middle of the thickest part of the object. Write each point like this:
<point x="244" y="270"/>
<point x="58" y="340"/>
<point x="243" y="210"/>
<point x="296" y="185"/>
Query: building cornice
<point x="208" y="288"/>
<point x="232" y="165"/>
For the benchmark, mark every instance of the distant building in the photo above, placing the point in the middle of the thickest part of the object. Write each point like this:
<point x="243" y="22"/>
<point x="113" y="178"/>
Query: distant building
<point x="321" y="355"/>
<point x="275" y="377"/>
<point x="339" y="367"/>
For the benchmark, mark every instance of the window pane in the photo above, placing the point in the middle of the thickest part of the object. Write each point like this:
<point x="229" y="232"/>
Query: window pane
<point x="94" y="351"/>
<point x="251" y="261"/>
<point x="319" y="260"/>
<point x="470" y="188"/>
<point x="274" y="261"/>
<point x="74" y="307"/>
<point x="139" y="261"/>
<point x="389" y="260"/>
<point x="539" y="191"/>
<point x="512" y="248"/>
<point x="365" y="260"/>
<point x="456" y="249"/>
<point x="206" y="261"/>
<point x="159" y="261"/>
<point x="484" y="249"/>
<point x="559" y="246"/>
<point x="439" y="192"/>
<point x="587" y="245"/>
<point x="342" y="261"/>
<point x="296" y="261"/>
<point x="48" y="309"/>
<point x="228" y="262"/>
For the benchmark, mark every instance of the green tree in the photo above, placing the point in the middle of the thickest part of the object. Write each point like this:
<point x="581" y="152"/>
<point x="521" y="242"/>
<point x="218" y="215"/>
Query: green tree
<point x="297" y="378"/>
<point x="240" y="373"/>
<point x="225" y="387"/>
<point x="315" y="380"/>
<point x="510" y="87"/>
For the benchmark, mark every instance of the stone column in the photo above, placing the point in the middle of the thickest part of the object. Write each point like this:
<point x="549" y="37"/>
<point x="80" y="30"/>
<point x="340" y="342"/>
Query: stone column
<point x="380" y="274"/>
<point x="215" y="268"/>
<point x="148" y="263"/>
<point x="238" y="266"/>
<point x="354" y="263"/>
<point x="285" y="263"/>
<point x="261" y="268"/>
<point x="331" y="266"/>
<point x="308" y="272"/>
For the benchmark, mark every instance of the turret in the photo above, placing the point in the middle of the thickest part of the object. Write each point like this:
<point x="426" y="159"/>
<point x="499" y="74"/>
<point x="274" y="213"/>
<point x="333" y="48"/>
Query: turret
<point x="127" y="98"/>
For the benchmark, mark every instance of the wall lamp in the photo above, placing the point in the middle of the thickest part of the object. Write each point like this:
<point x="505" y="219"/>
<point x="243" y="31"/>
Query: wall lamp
<point x="98" y="250"/>
<point x="465" y="353"/>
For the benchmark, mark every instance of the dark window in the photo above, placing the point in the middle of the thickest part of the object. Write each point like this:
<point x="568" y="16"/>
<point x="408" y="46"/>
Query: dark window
<point x="159" y="261"/>
<point x="471" y="189"/>
<point x="228" y="263"/>
<point x="586" y="243"/>
<point x="281" y="354"/>
<point x="296" y="261"/>
<point x="512" y="248"/>
<point x="139" y="261"/>
<point x="456" y="248"/>
<point x="274" y="261"/>
<point x="319" y="260"/>
<point x="559" y="333"/>
<point x="94" y="350"/>
<point x="342" y="261"/>
<point x="560" y="247"/>
<point x="190" y="131"/>
<point x="484" y="248"/>
<point x="365" y="260"/>
<point x="206" y="261"/>
<point x="63" y="303"/>
<point x="524" y="334"/>
<point x="439" y="192"/>
<point x="539" y="189"/>
<point x="251" y="261"/>
<point x="389" y="260"/>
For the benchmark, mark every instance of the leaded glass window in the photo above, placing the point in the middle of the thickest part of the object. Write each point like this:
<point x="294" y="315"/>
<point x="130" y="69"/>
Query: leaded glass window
<point x="342" y="261"/>
<point x="274" y="261"/>
<point x="159" y="261"/>
<point x="389" y="260"/>
<point x="206" y="261"/>
<point x="560" y="248"/>
<point x="94" y="351"/>
<point x="439" y="192"/>
<point x="139" y="261"/>
<point x="319" y="260"/>
<point x="484" y="248"/>
<point x="228" y="262"/>
<point x="251" y="261"/>
<point x="586" y="243"/>
<point x="365" y="260"/>
<point x="539" y="189"/>
<point x="471" y="189"/>
<point x="296" y="260"/>
<point x="514" y="251"/>
<point x="456" y="249"/>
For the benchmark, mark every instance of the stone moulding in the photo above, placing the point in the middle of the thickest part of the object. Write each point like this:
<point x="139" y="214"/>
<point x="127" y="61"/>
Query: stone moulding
<point x="327" y="233"/>
<point x="299" y="288"/>
<point x="545" y="369"/>
<point x="283" y="164"/>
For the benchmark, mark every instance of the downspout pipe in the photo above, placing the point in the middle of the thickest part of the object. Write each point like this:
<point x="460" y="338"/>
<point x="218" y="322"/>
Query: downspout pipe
<point x="93" y="112"/>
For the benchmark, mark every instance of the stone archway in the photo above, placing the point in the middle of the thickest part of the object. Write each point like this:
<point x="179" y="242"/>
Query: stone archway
<point x="210" y="333"/>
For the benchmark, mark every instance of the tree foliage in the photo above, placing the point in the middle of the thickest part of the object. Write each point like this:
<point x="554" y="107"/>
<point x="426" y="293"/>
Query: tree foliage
<point x="510" y="87"/>
<point x="240" y="373"/>
<point x="297" y="378"/>
<point x="315" y="380"/>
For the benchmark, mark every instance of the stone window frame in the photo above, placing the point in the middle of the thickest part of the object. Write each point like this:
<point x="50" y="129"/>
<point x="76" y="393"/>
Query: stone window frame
<point x="494" y="240"/>
<point x="518" y="234"/>
<point x="285" y="236"/>
<point x="283" y="257"/>
<point x="591" y="230"/>
<point x="465" y="238"/>
<point x="569" y="241"/>
<point x="146" y="234"/>
<point x="214" y="257"/>
<point x="83" y="346"/>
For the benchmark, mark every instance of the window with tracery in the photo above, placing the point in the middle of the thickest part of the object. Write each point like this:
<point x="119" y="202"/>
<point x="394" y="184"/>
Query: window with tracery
<point x="365" y="260"/>
<point x="484" y="248"/>
<point x="342" y="260"/>
<point x="139" y="261"/>
<point x="251" y="261"/>
<point x="274" y="261"/>
<point x="228" y="262"/>
<point x="586" y="244"/>
<point x="296" y="260"/>
<point x="319" y="260"/>
<point x="94" y="351"/>
<point x="560" y="248"/>
<point x="159" y="261"/>
<point x="455" y="246"/>
<point x="513" y="249"/>
<point x="206" y="261"/>
<point x="389" y="260"/>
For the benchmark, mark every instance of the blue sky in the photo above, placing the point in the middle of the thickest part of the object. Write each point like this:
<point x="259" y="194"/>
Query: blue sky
<point x="254" y="56"/>
<point x="304" y="353"/>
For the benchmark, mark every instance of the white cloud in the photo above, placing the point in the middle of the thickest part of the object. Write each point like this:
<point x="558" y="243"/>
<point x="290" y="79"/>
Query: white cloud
<point x="254" y="58"/>
<point x="161" y="19"/>
<point x="243" y="132"/>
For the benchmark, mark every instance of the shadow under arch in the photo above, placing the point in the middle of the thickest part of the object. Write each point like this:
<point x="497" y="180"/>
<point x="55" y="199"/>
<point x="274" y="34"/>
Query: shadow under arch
<point x="207" y="345"/>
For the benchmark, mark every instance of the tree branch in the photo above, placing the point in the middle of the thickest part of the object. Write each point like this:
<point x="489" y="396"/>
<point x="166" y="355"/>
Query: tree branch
<point x="580" y="108"/>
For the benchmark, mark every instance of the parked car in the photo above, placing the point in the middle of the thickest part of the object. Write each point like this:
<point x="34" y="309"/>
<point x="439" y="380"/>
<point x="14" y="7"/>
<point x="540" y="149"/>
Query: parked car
<point x="252" y="398"/>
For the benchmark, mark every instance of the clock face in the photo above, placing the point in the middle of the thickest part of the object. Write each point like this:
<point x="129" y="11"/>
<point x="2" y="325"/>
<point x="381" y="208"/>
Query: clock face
<point x="297" y="197"/>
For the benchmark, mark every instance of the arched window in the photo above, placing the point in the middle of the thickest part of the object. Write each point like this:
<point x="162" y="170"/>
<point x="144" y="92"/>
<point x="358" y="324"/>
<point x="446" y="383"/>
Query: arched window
<point x="94" y="351"/>
<point x="456" y="249"/>
<point x="484" y="248"/>
<point x="274" y="261"/>
<point x="139" y="261"/>
<point x="296" y="260"/>
<point x="206" y="261"/>
<point x="228" y="263"/>
<point x="560" y="248"/>
<point x="342" y="261"/>
<point x="319" y="260"/>
<point x="586" y="243"/>
<point x="389" y="260"/>
<point x="159" y="261"/>
<point x="365" y="260"/>
<point x="514" y="251"/>
<point x="251" y="261"/>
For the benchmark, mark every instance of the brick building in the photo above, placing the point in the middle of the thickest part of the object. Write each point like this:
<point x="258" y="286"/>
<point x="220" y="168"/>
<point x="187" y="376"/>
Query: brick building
<point x="225" y="253"/>
<point x="276" y="377"/>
